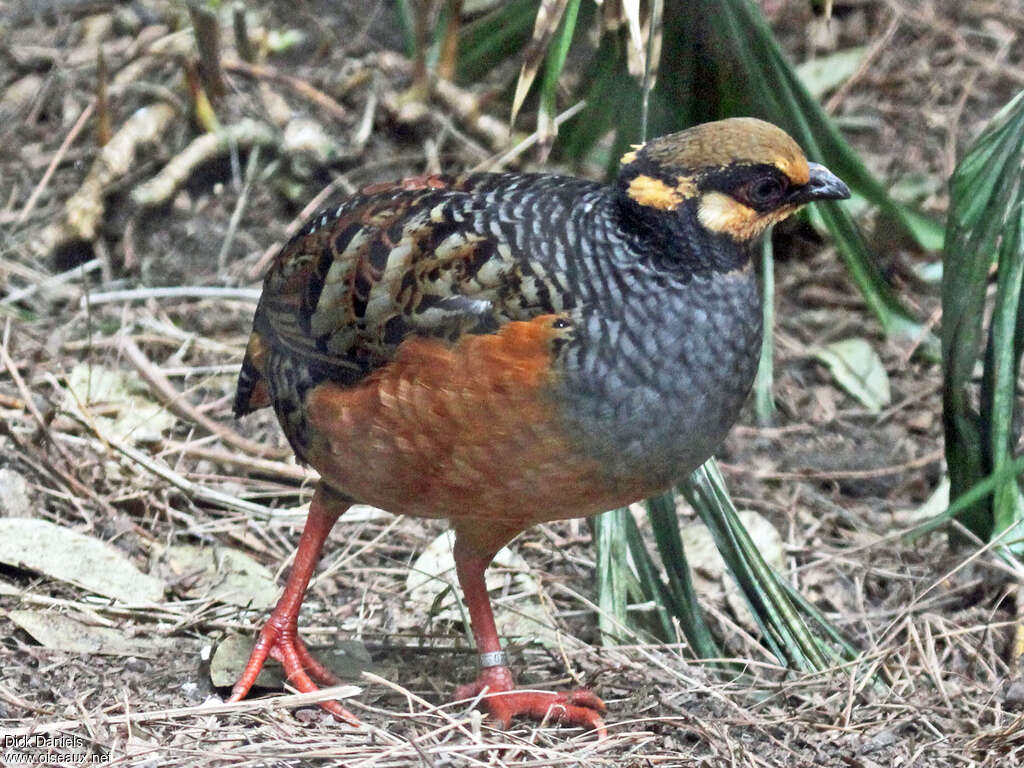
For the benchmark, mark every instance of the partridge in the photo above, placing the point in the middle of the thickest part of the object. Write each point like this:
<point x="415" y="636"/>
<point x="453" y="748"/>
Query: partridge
<point x="503" y="350"/>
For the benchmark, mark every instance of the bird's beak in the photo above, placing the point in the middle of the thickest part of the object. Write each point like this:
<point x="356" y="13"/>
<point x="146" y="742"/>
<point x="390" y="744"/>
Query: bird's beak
<point x="822" y="185"/>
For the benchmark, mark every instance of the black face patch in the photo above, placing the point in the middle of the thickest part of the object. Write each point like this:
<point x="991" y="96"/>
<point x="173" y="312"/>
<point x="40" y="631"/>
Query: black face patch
<point x="761" y="187"/>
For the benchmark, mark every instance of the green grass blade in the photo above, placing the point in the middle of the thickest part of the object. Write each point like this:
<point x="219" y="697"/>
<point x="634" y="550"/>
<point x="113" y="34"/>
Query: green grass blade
<point x="1004" y="343"/>
<point x="407" y="23"/>
<point x="665" y="526"/>
<point x="546" y="24"/>
<point x="785" y="631"/>
<point x="764" y="398"/>
<point x="556" y="56"/>
<point x="553" y="67"/>
<point x="612" y="574"/>
<point x="494" y="37"/>
<point x="966" y="500"/>
<point x="613" y="104"/>
<point x="654" y="589"/>
<point x="720" y="59"/>
<point x="755" y="47"/>
<point x="874" y="288"/>
<point x="766" y="85"/>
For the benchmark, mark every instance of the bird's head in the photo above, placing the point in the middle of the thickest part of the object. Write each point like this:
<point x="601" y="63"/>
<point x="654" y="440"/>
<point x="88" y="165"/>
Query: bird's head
<point x="734" y="177"/>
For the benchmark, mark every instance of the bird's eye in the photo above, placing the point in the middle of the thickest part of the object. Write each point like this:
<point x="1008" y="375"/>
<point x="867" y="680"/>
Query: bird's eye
<point x="764" y="191"/>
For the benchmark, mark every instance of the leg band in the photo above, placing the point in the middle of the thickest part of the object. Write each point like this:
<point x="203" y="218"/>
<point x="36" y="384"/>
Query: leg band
<point x="493" y="659"/>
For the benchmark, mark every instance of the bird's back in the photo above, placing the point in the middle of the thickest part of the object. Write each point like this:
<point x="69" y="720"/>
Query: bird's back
<point x="427" y="257"/>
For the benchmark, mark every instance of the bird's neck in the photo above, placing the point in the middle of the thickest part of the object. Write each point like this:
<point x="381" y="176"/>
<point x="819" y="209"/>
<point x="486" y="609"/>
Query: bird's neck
<point x="678" y="242"/>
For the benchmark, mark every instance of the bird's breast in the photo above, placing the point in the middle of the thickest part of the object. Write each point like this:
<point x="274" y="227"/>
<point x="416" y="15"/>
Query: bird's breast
<point x="650" y="389"/>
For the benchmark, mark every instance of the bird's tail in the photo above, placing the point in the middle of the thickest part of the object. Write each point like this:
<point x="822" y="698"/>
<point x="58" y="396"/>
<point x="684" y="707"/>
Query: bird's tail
<point x="251" y="394"/>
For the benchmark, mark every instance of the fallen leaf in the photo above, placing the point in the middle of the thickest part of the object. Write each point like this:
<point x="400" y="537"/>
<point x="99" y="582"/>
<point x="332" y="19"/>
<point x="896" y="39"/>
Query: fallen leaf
<point x="65" y="555"/>
<point x="14" y="494"/>
<point x="431" y="586"/>
<point x="825" y="73"/>
<point x="347" y="659"/>
<point x="62" y="632"/>
<point x="219" y="573"/>
<point x="137" y="419"/>
<point x="934" y="505"/>
<point x="856" y="367"/>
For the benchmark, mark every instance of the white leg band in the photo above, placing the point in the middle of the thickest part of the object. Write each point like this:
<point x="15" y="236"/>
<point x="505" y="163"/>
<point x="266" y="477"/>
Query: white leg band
<point x="493" y="659"/>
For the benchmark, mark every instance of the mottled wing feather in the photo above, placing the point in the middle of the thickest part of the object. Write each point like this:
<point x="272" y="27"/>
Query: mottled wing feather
<point x="401" y="260"/>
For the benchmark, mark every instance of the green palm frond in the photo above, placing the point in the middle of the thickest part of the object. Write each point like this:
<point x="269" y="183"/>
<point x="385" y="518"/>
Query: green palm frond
<point x="985" y="229"/>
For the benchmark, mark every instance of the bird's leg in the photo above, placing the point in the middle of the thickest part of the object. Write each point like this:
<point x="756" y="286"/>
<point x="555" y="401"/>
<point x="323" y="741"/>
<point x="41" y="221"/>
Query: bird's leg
<point x="280" y="635"/>
<point x="580" y="707"/>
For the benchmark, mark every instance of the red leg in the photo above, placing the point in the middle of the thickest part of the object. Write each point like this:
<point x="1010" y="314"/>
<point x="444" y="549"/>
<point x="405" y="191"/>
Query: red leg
<point x="280" y="635"/>
<point x="581" y="707"/>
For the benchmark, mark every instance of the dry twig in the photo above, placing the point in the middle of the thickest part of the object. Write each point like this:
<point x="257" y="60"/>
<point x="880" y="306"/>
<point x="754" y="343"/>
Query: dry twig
<point x="178" y="405"/>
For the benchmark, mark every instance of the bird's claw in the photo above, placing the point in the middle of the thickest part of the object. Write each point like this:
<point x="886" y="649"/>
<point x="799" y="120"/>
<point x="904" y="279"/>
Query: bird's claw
<point x="580" y="708"/>
<point x="279" y="639"/>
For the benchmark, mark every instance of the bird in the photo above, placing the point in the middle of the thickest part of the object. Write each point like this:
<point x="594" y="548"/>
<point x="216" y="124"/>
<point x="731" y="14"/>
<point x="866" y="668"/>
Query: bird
<point x="508" y="349"/>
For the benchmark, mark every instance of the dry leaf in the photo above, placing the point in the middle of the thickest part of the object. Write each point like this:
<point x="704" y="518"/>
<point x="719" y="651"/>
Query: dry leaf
<point x="549" y="15"/>
<point x="66" y="555"/>
<point x="62" y="632"/>
<point x="520" y="616"/>
<point x="857" y="368"/>
<point x="219" y="573"/>
<point x="347" y="659"/>
<point x="825" y="73"/>
<point x="137" y="419"/>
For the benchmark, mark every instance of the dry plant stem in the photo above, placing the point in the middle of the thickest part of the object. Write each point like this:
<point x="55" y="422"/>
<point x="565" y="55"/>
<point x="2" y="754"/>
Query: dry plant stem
<point x="67" y="479"/>
<point x="83" y="213"/>
<point x="289" y="701"/>
<point x="103" y="122"/>
<point x="26" y="395"/>
<point x="187" y="487"/>
<point x="179" y="406"/>
<point x="246" y="133"/>
<point x="236" y="215"/>
<point x="499" y="163"/>
<point x="45" y="466"/>
<point x="421" y="12"/>
<point x="466" y="106"/>
<point x="170" y="292"/>
<point x="365" y="127"/>
<point x="371" y="677"/>
<point x="57" y="157"/>
<point x="202" y="108"/>
<point x="50" y="283"/>
<point x="1016" y="661"/>
<point x="208" y="41"/>
<point x="301" y="87"/>
<point x="879" y="46"/>
<point x="267" y="467"/>
<point x="450" y="44"/>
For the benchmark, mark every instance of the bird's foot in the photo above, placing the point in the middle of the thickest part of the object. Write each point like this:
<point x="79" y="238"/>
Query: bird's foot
<point x="580" y="708"/>
<point x="279" y="638"/>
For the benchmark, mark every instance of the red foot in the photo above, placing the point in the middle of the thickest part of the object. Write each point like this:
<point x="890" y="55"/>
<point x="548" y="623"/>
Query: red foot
<point x="580" y="708"/>
<point x="280" y="638"/>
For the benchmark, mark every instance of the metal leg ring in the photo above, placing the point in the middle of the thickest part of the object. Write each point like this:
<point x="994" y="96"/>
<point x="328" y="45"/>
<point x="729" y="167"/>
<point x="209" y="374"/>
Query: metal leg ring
<point x="493" y="659"/>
